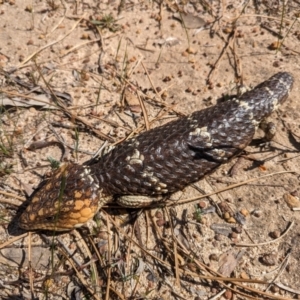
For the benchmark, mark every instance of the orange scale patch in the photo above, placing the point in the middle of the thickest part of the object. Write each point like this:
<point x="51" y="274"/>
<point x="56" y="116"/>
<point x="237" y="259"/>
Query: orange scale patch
<point x="83" y="219"/>
<point x="77" y="194"/>
<point x="35" y="199"/>
<point x="32" y="217"/>
<point x="75" y="216"/>
<point x="78" y="204"/>
<point x="41" y="212"/>
<point x="49" y="186"/>
<point x="87" y="202"/>
<point x="65" y="209"/>
<point x="58" y="205"/>
<point x="86" y="212"/>
<point x="72" y="222"/>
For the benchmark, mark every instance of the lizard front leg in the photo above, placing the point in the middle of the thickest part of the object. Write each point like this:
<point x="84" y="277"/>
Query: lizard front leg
<point x="137" y="201"/>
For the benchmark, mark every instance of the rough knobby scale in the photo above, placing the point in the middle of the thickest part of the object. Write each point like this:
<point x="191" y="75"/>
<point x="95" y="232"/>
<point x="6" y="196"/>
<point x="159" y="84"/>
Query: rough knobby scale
<point x="157" y="162"/>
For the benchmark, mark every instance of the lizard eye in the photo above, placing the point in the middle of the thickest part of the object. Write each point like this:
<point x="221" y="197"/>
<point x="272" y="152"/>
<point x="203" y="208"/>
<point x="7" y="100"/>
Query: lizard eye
<point x="50" y="219"/>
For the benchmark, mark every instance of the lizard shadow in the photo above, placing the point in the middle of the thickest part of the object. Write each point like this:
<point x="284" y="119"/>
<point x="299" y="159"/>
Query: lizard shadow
<point x="13" y="227"/>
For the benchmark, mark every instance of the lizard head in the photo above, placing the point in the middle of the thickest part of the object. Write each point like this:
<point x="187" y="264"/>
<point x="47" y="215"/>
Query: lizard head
<point x="68" y="199"/>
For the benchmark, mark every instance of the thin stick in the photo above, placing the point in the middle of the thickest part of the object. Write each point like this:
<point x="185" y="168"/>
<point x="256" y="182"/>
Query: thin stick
<point x="30" y="266"/>
<point x="11" y="241"/>
<point x="11" y="195"/>
<point x="227" y="188"/>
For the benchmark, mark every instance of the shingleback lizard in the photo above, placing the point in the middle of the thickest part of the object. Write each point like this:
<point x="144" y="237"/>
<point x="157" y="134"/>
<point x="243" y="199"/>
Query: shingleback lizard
<point x="143" y="169"/>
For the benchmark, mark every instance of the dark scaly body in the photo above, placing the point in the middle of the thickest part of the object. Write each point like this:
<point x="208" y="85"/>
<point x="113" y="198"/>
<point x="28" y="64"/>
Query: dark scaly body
<point x="159" y="161"/>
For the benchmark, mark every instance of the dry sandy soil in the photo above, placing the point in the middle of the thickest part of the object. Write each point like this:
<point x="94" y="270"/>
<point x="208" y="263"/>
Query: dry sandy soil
<point x="115" y="64"/>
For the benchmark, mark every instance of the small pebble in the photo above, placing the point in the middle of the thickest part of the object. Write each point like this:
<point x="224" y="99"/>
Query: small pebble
<point x="240" y="34"/>
<point x="28" y="8"/>
<point x="224" y="206"/>
<point x="275" y="45"/>
<point x="275" y="234"/>
<point x="158" y="215"/>
<point x="269" y="259"/>
<point x="164" y="95"/>
<point x="274" y="289"/>
<point x="238" y="229"/>
<point x="160" y="222"/>
<point x="167" y="79"/>
<point x="204" y="221"/>
<point x="231" y="220"/>
<point x="103" y="235"/>
<point x="257" y="213"/>
<point x="226" y="216"/>
<point x="244" y="275"/>
<point x="218" y="237"/>
<point x="202" y="204"/>
<point x="85" y="36"/>
<point x="244" y="212"/>
<point x="227" y="30"/>
<point x="192" y="267"/>
<point x="228" y="294"/>
<point x="214" y="257"/>
<point x="185" y="54"/>
<point x="233" y="235"/>
<point x="191" y="50"/>
<point x="291" y="201"/>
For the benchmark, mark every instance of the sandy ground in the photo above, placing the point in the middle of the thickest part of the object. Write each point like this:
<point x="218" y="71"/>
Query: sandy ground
<point x="102" y="58"/>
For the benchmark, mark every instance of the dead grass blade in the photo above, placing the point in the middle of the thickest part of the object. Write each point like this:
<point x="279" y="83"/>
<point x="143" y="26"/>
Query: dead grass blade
<point x="268" y="242"/>
<point x="108" y="282"/>
<point x="145" y="114"/>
